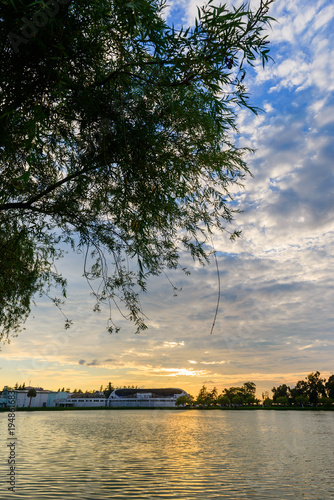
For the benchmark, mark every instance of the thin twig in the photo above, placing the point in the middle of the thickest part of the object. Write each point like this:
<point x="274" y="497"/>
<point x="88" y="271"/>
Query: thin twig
<point x="218" y="279"/>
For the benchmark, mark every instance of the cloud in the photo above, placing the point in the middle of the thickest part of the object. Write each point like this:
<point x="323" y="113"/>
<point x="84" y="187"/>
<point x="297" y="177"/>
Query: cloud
<point x="94" y="362"/>
<point x="275" y="319"/>
<point x="213" y="362"/>
<point x="176" y="372"/>
<point x="171" y="345"/>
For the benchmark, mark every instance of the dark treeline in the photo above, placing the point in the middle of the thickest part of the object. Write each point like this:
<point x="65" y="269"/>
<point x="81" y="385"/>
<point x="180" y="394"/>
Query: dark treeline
<point x="234" y="396"/>
<point x="311" y="391"/>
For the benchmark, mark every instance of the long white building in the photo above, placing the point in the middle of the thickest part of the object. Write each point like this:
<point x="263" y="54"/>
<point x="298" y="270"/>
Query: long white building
<point x="83" y="400"/>
<point x="149" y="398"/>
<point x="135" y="398"/>
<point x="43" y="398"/>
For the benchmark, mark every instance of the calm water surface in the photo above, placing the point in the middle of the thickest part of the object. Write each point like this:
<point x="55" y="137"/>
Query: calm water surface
<point x="166" y="454"/>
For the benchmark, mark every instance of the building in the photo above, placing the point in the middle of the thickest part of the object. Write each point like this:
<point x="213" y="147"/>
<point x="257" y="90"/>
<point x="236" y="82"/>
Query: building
<point x="135" y="398"/>
<point x="82" y="400"/>
<point x="145" y="398"/>
<point x="43" y="399"/>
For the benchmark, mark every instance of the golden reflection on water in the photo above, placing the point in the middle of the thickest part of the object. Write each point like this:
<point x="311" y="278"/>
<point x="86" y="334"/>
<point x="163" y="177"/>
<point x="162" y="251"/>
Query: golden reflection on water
<point x="173" y="454"/>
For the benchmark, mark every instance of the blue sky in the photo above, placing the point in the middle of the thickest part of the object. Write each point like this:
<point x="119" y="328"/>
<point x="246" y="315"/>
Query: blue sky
<point x="275" y="322"/>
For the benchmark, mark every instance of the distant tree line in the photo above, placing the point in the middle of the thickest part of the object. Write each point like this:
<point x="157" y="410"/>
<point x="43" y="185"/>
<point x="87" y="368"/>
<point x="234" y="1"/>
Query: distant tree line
<point x="234" y="396"/>
<point x="311" y="391"/>
<point x="109" y="388"/>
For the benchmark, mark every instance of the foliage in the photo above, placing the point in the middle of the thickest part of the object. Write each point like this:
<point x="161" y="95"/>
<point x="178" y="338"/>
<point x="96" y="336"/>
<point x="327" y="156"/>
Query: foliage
<point x="281" y="400"/>
<point x="237" y="396"/>
<point x="325" y="401"/>
<point x="183" y="401"/>
<point x="223" y="400"/>
<point x="31" y="394"/>
<point x="330" y="387"/>
<point x="117" y="139"/>
<point x="108" y="390"/>
<point x="282" y="391"/>
<point x="203" y="397"/>
<point x="309" y="391"/>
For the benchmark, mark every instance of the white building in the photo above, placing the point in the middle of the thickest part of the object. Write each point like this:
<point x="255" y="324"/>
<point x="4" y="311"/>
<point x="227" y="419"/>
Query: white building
<point x="82" y="400"/>
<point x="145" y="398"/>
<point x="43" y="398"/>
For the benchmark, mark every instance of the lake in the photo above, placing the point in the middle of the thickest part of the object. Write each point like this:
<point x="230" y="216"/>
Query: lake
<point x="166" y="454"/>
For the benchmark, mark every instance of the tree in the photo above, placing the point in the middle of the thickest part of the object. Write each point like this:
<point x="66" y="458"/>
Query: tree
<point x="315" y="387"/>
<point x="207" y="398"/>
<point x="281" y="400"/>
<point x="108" y="390"/>
<point x="31" y="394"/>
<point x="83" y="86"/>
<point x="309" y="390"/>
<point x="299" y="393"/>
<point x="183" y="401"/>
<point x="238" y="400"/>
<point x="325" y="401"/>
<point x="282" y="391"/>
<point x="240" y="395"/>
<point x="330" y="387"/>
<point x="249" y="399"/>
<point x="301" y="400"/>
<point x="223" y="400"/>
<point x="250" y="388"/>
<point x="213" y="396"/>
<point x="203" y="396"/>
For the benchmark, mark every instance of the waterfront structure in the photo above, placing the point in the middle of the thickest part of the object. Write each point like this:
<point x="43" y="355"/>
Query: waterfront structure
<point x="43" y="398"/>
<point x="139" y="398"/>
<point x="145" y="398"/>
<point x="82" y="400"/>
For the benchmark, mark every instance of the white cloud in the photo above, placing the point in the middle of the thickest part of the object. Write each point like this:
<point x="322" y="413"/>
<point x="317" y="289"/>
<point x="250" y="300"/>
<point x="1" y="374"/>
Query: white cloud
<point x="276" y="282"/>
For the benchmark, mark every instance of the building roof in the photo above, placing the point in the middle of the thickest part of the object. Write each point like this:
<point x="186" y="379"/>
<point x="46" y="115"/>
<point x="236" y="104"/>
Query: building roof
<point x="90" y="395"/>
<point x="156" y="393"/>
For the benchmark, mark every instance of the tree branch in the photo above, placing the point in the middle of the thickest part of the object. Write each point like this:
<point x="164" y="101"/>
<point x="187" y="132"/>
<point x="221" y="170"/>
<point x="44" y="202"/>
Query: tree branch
<point x="37" y="197"/>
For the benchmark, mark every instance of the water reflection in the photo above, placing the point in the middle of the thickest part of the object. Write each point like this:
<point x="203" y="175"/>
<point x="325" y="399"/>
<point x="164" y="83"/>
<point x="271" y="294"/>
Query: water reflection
<point x="173" y="454"/>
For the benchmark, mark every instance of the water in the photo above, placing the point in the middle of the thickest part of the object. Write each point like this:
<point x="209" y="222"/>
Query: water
<point x="167" y="454"/>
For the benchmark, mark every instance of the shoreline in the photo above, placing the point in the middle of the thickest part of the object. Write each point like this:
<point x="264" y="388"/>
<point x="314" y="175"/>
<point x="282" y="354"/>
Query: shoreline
<point x="108" y="408"/>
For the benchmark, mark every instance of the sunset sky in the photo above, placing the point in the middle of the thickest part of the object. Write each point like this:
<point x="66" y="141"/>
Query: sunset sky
<point x="275" y="322"/>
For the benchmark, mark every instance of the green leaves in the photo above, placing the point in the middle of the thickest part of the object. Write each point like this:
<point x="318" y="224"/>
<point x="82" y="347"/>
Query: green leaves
<point x="116" y="134"/>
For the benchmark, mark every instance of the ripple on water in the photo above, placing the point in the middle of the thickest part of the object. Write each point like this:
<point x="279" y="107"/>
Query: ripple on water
<point x="168" y="455"/>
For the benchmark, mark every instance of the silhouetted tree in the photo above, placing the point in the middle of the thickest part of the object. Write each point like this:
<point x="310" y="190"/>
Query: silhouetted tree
<point x="282" y="391"/>
<point x="117" y="137"/>
<point x="108" y="390"/>
<point x="330" y="387"/>
<point x="31" y="394"/>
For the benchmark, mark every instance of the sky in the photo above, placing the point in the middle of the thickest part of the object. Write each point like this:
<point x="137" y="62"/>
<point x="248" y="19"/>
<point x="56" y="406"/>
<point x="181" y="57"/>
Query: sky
<point x="275" y="321"/>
